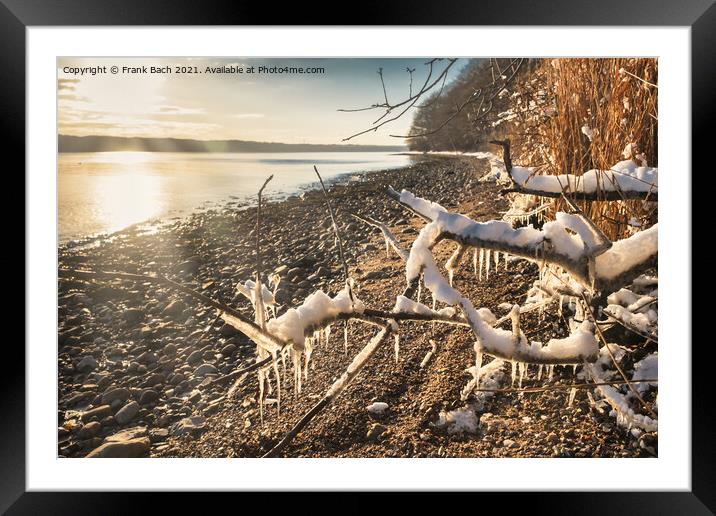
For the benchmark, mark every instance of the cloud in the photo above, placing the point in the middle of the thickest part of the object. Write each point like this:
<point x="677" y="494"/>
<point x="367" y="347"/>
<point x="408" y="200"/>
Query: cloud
<point x="72" y="97"/>
<point x="178" y="110"/>
<point x="248" y="115"/>
<point x="66" y="84"/>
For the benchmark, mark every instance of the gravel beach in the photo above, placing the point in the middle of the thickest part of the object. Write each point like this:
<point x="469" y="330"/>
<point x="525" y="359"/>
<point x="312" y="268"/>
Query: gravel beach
<point x="136" y="360"/>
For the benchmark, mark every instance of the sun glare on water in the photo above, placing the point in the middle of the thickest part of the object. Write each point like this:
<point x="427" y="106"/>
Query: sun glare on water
<point x="132" y="195"/>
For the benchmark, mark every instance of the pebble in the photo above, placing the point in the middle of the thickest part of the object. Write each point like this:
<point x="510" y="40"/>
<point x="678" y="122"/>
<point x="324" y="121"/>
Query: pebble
<point x="127" y="413"/>
<point x="189" y="425"/>
<point x="205" y="369"/>
<point x="97" y="412"/>
<point x="87" y="364"/>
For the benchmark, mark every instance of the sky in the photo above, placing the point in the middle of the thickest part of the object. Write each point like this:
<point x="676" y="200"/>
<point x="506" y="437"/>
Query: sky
<point x="288" y="108"/>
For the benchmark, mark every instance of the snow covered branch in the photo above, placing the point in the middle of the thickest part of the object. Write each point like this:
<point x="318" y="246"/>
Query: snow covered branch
<point x="390" y="240"/>
<point x="625" y="180"/>
<point x="568" y="242"/>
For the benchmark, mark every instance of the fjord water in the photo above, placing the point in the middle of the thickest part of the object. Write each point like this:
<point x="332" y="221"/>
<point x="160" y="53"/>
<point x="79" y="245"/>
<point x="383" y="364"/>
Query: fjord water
<point x="103" y="192"/>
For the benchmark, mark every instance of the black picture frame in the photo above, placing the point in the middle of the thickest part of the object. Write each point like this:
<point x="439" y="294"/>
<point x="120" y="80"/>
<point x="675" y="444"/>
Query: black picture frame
<point x="699" y="15"/>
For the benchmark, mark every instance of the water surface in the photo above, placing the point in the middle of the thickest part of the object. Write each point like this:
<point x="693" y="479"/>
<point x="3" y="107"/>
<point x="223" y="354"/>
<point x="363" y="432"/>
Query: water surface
<point x="103" y="192"/>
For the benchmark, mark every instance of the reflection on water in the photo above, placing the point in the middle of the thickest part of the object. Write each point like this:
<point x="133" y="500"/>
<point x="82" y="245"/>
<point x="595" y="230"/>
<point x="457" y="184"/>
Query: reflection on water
<point x="104" y="192"/>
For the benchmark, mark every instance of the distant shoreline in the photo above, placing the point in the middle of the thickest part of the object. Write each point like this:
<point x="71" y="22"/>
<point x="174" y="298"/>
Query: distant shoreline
<point x="69" y="144"/>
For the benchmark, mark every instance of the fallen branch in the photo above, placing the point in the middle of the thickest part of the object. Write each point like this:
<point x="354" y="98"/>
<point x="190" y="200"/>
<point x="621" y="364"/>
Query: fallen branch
<point x="335" y="390"/>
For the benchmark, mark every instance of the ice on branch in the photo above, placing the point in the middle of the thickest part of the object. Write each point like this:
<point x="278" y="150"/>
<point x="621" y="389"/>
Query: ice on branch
<point x="568" y="242"/>
<point x="317" y="311"/>
<point x="622" y="409"/>
<point x="626" y="178"/>
<point x="248" y="290"/>
<point x="580" y="346"/>
<point x="406" y="305"/>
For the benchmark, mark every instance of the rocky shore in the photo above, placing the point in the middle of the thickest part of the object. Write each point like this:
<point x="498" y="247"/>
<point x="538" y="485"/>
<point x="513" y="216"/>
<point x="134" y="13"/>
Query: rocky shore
<point x="137" y="361"/>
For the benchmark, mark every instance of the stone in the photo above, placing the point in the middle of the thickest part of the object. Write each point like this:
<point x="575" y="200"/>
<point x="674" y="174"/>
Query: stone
<point x="87" y="364"/>
<point x="117" y="393"/>
<point x="194" y="396"/>
<point x="188" y="425"/>
<point x="122" y="449"/>
<point x="194" y="357"/>
<point x="154" y="379"/>
<point x="158" y="434"/>
<point x="228" y="349"/>
<point x="99" y="412"/>
<point x="174" y="308"/>
<point x="90" y="430"/>
<point x="133" y="315"/>
<point x="127" y="413"/>
<point x="127" y="434"/>
<point x="148" y="396"/>
<point x="205" y="369"/>
<point x="170" y="350"/>
<point x="375" y="431"/>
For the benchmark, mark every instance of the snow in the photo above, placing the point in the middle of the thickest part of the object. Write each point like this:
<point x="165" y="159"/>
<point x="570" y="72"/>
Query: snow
<point x="406" y="305"/>
<point x="588" y="132"/>
<point x="460" y="421"/>
<point x="377" y="408"/>
<point x="646" y="369"/>
<point x="580" y="345"/>
<point x="627" y="253"/>
<point x="625" y="176"/>
<point x="526" y="241"/>
<point x="600" y="371"/>
<point x="248" y="290"/>
<point x="317" y="308"/>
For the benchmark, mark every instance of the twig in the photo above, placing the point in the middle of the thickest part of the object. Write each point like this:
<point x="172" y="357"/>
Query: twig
<point x="389" y="237"/>
<point x="338" y="235"/>
<point x="564" y="386"/>
<point x="614" y="360"/>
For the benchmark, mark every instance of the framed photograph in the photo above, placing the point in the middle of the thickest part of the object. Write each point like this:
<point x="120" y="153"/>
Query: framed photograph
<point x="419" y="255"/>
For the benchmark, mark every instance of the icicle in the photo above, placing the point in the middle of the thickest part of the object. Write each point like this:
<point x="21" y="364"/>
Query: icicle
<point x="522" y="373"/>
<point x="308" y="349"/>
<point x="345" y="337"/>
<point x="478" y="363"/>
<point x="550" y="371"/>
<point x="261" y="395"/>
<point x="561" y="300"/>
<point x="450" y="275"/>
<point x="396" y="346"/>
<point x="482" y="259"/>
<point x="572" y="394"/>
<point x="420" y="287"/>
<point x="574" y="369"/>
<point x="539" y="372"/>
<point x="474" y="261"/>
<point x="487" y="265"/>
<point x="497" y="259"/>
<point x="278" y="380"/>
<point x="327" y="333"/>
<point x="296" y="358"/>
<point x="514" y="371"/>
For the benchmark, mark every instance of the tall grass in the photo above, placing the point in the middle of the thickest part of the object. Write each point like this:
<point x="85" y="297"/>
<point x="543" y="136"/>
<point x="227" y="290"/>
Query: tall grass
<point x="615" y="101"/>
